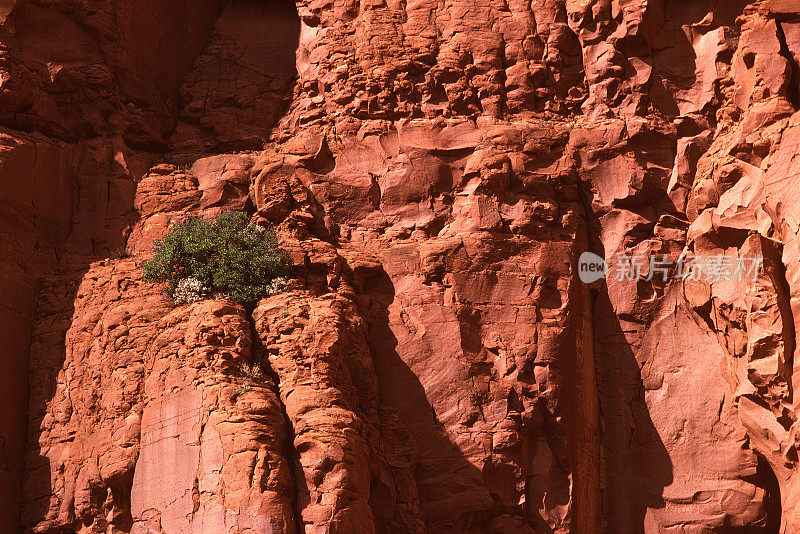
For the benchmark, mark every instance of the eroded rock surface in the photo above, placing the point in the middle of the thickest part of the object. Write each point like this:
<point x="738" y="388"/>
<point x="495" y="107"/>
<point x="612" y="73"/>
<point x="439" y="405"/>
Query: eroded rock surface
<point x="434" y="170"/>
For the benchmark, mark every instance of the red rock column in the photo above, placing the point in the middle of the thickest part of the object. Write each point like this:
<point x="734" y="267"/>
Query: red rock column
<point x="317" y="348"/>
<point x="213" y="435"/>
<point x="150" y="423"/>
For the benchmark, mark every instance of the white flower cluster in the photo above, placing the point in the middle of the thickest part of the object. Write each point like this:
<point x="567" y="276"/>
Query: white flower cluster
<point x="190" y="290"/>
<point x="276" y="286"/>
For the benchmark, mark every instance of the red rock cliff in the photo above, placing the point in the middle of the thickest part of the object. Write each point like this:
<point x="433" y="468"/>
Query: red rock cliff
<point x="434" y="170"/>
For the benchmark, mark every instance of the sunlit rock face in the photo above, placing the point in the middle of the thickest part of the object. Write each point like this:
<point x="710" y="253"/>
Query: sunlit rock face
<point x="434" y="171"/>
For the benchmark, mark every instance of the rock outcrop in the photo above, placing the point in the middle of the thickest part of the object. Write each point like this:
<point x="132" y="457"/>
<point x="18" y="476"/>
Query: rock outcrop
<point x="434" y="171"/>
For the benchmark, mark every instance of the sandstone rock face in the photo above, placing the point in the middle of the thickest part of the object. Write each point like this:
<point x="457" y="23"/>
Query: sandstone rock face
<point x="434" y="171"/>
<point x="151" y="424"/>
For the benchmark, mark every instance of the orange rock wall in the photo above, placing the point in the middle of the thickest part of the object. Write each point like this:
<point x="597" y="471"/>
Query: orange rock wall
<point x="434" y="170"/>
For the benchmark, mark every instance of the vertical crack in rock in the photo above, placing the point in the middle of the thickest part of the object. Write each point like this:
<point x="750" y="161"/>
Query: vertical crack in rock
<point x="292" y="455"/>
<point x="584" y="394"/>
<point x="586" y="444"/>
<point x="317" y="348"/>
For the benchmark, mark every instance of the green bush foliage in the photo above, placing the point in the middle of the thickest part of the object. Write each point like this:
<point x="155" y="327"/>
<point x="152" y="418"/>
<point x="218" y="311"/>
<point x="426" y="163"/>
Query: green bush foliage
<point x="227" y="256"/>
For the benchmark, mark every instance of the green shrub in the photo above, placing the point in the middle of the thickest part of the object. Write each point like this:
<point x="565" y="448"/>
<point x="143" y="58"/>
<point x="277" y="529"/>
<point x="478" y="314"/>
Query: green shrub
<point x="225" y="256"/>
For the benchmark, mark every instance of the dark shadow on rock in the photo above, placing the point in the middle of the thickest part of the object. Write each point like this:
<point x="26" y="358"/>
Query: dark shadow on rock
<point x="55" y="309"/>
<point x="636" y="463"/>
<point x="764" y="478"/>
<point x="243" y="82"/>
<point x="454" y="494"/>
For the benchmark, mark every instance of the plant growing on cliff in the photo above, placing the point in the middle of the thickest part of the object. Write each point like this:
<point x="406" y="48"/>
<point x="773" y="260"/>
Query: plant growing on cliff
<point x="224" y="256"/>
<point x="251" y="371"/>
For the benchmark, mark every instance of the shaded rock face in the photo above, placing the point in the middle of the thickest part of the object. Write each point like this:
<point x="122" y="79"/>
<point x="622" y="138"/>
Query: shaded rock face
<point x="434" y="170"/>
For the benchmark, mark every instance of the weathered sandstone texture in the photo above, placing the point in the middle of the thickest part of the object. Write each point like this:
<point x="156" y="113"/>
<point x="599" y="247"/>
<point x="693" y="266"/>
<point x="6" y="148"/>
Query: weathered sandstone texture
<point x="434" y="169"/>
